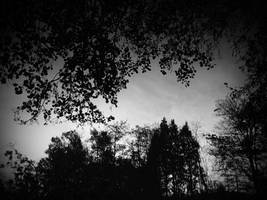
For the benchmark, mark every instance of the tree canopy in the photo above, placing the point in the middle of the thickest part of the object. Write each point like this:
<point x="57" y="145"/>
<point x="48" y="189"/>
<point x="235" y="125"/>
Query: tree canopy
<point x="240" y="143"/>
<point x="62" y="55"/>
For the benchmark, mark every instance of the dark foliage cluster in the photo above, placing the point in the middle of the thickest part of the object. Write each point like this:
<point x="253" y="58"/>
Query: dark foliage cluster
<point x="161" y="163"/>
<point x="62" y="55"/>
<point x="241" y="140"/>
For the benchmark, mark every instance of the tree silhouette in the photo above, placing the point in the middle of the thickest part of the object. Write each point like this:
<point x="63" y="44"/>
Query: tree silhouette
<point x="140" y="146"/>
<point x="117" y="132"/>
<point x="106" y="145"/>
<point x="62" y="55"/>
<point x="102" y="147"/>
<point x="193" y="170"/>
<point x="174" y="158"/>
<point x="240" y="145"/>
<point x="240" y="142"/>
<point x="25" y="183"/>
<point x="153" y="171"/>
<point x="63" y="173"/>
<point x="73" y="170"/>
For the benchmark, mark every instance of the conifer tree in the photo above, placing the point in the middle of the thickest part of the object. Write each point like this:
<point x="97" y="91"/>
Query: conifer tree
<point x="175" y="160"/>
<point x="191" y="161"/>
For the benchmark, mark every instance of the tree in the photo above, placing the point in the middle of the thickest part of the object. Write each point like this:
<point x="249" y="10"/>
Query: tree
<point x="194" y="173"/>
<point x="140" y="145"/>
<point x="164" y="157"/>
<point x="153" y="185"/>
<point x="62" y="63"/>
<point x="174" y="159"/>
<point x="102" y="147"/>
<point x="117" y="132"/>
<point x="240" y="144"/>
<point x="63" y="173"/>
<point x="107" y="144"/>
<point x="25" y="183"/>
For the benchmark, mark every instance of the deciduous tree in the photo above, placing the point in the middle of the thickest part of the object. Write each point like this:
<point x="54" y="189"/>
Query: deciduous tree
<point x="240" y="143"/>
<point x="62" y="55"/>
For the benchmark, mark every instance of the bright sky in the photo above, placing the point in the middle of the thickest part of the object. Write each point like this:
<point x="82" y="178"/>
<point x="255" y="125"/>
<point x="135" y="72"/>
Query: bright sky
<point x="148" y="98"/>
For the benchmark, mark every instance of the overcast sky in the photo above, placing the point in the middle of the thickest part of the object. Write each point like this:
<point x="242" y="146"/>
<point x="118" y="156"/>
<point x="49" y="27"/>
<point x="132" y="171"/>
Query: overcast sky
<point x="148" y="98"/>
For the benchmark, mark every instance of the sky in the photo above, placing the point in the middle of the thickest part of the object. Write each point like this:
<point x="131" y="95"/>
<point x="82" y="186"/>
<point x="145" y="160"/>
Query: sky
<point x="148" y="98"/>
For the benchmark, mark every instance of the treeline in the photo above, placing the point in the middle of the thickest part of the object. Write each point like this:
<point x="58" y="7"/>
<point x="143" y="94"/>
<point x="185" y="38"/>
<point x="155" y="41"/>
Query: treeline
<point x="115" y="163"/>
<point x="155" y="163"/>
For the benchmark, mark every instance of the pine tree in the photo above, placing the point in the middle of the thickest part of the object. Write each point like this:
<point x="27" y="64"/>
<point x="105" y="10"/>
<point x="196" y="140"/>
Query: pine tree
<point x="192" y="169"/>
<point x="175" y="160"/>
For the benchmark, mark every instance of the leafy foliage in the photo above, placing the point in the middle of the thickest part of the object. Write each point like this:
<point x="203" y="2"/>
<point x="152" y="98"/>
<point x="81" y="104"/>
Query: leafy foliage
<point x="25" y="183"/>
<point x="139" y="147"/>
<point x="240" y="145"/>
<point x="63" y="55"/>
